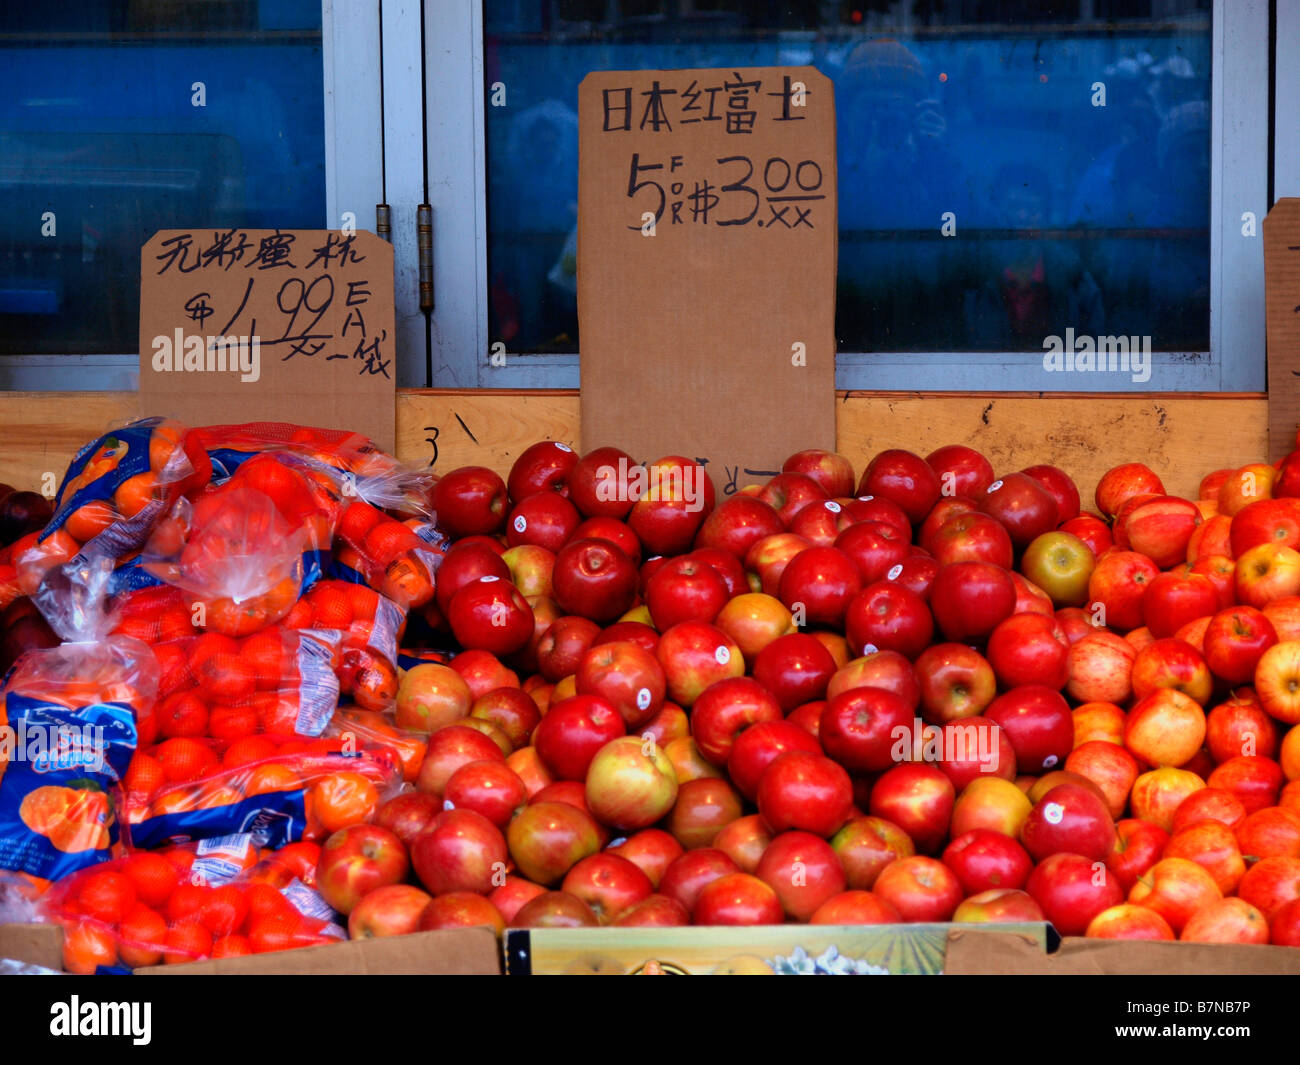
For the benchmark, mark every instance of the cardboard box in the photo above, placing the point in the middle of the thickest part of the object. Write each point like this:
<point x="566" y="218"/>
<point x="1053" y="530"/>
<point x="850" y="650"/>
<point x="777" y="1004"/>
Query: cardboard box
<point x="874" y="950"/>
<point x="455" y="952"/>
<point x="1006" y="952"/>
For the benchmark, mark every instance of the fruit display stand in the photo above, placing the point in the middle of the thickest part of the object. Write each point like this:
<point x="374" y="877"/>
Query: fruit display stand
<point x="1181" y="437"/>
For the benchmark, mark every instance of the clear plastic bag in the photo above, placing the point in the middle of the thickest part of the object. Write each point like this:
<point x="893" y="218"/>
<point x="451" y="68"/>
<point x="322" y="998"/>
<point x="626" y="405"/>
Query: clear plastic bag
<point x="351" y="460"/>
<point x="114" y="491"/>
<point x="236" y="556"/>
<point x="71" y="717"/>
<point x="371" y="627"/>
<point x="280" y="798"/>
<point x="217" y="898"/>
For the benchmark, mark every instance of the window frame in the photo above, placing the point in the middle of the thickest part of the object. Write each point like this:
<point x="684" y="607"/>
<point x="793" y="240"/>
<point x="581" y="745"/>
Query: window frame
<point x="1239" y="184"/>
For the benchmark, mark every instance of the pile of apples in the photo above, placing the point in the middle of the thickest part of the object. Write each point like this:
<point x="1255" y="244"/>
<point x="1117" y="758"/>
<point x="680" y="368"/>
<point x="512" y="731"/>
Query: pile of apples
<point x="924" y="694"/>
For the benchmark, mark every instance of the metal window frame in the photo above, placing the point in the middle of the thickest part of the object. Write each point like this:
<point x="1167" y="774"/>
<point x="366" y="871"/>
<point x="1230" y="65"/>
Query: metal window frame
<point x="1239" y="185"/>
<point x="350" y="35"/>
<point x="453" y="56"/>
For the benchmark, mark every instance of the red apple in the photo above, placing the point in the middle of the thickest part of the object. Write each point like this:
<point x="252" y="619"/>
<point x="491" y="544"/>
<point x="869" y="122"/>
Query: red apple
<point x="657" y="911"/>
<point x="630" y="783"/>
<point x="795" y="668"/>
<point x="461" y="851"/>
<point x="408" y="814"/>
<point x="1226" y="921"/>
<point x="562" y="647"/>
<point x="547" y="839"/>
<point x="804" y="872"/>
<point x="971" y="537"/>
<point x="1061" y="487"/>
<point x="1175" y="664"/>
<point x="829" y="469"/>
<point x="1071" y="890"/>
<point x="888" y="616"/>
<point x="860" y="728"/>
<point x="1268" y="571"/>
<point x="1024" y="507"/>
<point x="1129" y="921"/>
<point x="616" y="532"/>
<point x="1235" y="640"/>
<point x="969" y="599"/>
<point x="1029" y="649"/>
<point x="391" y="910"/>
<point x="1266" y="521"/>
<point x="469" y="500"/>
<point x="598" y="483"/>
<point x="756" y="746"/>
<point x="555" y="909"/>
<point x="883" y="669"/>
<point x="1277" y="682"/>
<point x="1175" y="888"/>
<point x="1212" y="846"/>
<point x="919" y="799"/>
<point x="512" y="895"/>
<point x="695" y="655"/>
<point x="490" y="788"/>
<point x="956" y="682"/>
<point x="789" y="493"/>
<point x="572" y="731"/>
<point x="1174" y="599"/>
<point x="608" y="883"/>
<point x="1117" y="585"/>
<point x="356" y="860"/>
<point x="999" y="906"/>
<point x="805" y="791"/>
<point x="463" y="564"/>
<point x="855" y="908"/>
<point x="545" y="519"/>
<point x="818" y="584"/>
<point x="962" y="471"/>
<point x="1165" y="728"/>
<point x="1110" y="767"/>
<point x="1122" y="482"/>
<point x="921" y="889"/>
<point x="1270" y="884"/>
<point x="902" y="478"/>
<point x="450" y="748"/>
<point x="687" y="876"/>
<point x="983" y="860"/>
<point x="1161" y="528"/>
<point x="652" y="850"/>
<point x="1038" y="723"/>
<point x="626" y="676"/>
<point x="972" y="748"/>
<point x="737" y="899"/>
<point x="594" y="579"/>
<point x="1138" y="846"/>
<point x="724" y="709"/>
<point x="462" y="909"/>
<point x="1072" y="819"/>
<point x="542" y="467"/>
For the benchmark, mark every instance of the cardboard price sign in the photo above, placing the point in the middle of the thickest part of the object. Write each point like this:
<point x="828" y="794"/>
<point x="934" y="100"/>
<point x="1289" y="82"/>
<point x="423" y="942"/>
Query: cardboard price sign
<point x="1282" y="318"/>
<point x="245" y="325"/>
<point x="706" y="265"/>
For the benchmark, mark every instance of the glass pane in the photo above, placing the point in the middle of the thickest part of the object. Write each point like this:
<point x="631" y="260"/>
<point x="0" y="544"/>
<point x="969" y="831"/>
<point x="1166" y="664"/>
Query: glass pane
<point x="122" y="118"/>
<point x="1008" y="169"/>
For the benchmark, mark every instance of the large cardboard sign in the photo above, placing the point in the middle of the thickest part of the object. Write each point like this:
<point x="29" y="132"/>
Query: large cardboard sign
<point x="706" y="265"/>
<point x="245" y="325"/>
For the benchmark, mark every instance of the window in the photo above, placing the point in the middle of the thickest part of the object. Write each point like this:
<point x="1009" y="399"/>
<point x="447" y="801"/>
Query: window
<point x="1008" y="170"/>
<point x="122" y="119"/>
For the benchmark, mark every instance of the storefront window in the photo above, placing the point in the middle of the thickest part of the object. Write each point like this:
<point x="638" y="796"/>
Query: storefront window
<point x="119" y="119"/>
<point x="1008" y="169"/>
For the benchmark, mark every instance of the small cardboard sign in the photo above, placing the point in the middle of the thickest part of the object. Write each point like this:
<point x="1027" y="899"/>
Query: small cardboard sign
<point x="245" y="325"/>
<point x="707" y="227"/>
<point x="1282" y="318"/>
